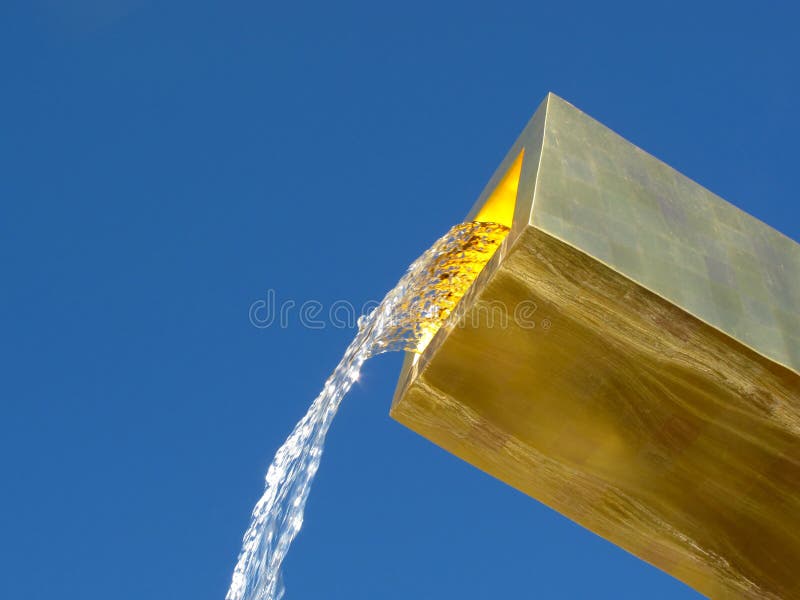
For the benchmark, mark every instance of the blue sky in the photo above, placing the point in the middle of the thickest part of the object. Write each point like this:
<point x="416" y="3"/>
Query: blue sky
<point x="166" y="163"/>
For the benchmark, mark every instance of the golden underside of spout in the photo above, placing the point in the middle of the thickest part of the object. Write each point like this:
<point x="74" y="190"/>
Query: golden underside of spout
<point x="623" y="412"/>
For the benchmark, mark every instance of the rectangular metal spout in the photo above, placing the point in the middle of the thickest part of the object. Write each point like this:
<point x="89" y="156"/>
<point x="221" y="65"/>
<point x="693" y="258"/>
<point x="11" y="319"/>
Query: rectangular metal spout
<point x="631" y="358"/>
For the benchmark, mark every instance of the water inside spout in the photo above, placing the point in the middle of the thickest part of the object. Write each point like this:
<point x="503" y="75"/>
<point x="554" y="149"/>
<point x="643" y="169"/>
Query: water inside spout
<point x="406" y="319"/>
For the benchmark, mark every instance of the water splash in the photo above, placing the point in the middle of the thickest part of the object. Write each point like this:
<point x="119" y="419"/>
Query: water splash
<point x="406" y="319"/>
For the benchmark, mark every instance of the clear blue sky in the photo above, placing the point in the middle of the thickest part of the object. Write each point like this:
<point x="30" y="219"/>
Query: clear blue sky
<point x="162" y="164"/>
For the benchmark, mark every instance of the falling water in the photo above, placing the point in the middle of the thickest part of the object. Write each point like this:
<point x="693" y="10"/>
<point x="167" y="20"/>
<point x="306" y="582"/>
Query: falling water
<point x="406" y="319"/>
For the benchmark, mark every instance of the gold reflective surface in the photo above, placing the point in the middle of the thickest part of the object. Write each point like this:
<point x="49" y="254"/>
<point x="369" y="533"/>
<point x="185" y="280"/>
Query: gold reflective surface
<point x="638" y="396"/>
<point x="450" y="276"/>
<point x="499" y="206"/>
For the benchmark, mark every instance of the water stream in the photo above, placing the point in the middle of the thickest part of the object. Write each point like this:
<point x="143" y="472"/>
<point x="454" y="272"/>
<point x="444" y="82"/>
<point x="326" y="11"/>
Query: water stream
<point x="406" y="319"/>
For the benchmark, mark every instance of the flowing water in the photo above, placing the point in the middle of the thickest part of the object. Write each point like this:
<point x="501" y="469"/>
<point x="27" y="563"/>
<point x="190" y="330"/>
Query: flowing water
<point x="406" y="319"/>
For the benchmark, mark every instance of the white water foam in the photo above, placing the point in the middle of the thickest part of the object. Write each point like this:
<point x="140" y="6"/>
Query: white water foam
<point x="422" y="298"/>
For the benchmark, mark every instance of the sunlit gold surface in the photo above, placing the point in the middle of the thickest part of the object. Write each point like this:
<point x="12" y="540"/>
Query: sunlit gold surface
<point x="453" y="273"/>
<point x="499" y="207"/>
<point x="646" y="403"/>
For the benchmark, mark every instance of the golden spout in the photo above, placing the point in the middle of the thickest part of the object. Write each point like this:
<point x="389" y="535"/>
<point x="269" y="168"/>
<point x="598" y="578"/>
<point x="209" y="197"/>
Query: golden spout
<point x="654" y="394"/>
